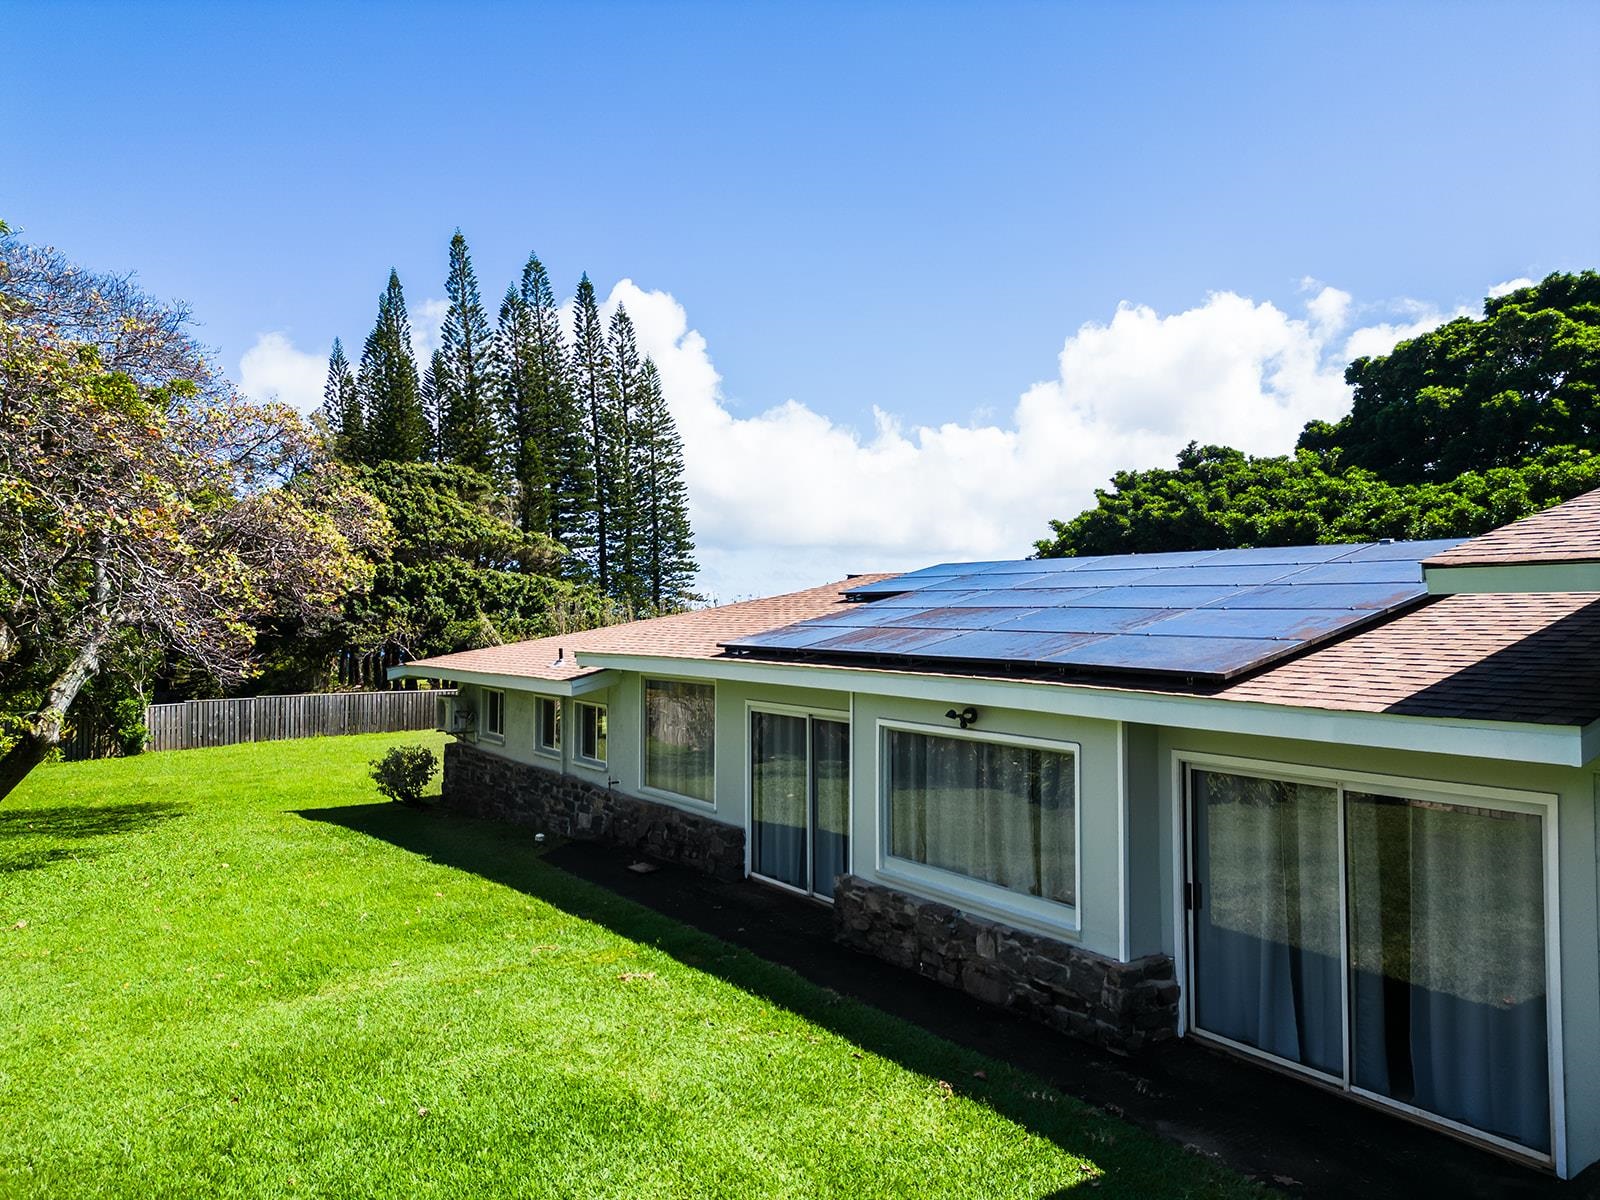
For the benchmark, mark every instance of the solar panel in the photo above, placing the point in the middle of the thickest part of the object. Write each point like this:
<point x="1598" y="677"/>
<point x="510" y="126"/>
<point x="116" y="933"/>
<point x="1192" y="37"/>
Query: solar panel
<point x="1212" y="613"/>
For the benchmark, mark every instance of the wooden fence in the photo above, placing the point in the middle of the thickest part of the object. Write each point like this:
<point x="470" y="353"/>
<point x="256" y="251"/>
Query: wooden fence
<point x="196" y="723"/>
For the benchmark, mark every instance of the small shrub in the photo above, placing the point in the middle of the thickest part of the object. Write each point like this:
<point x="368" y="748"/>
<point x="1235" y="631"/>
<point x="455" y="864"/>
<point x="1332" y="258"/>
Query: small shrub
<point x="404" y="772"/>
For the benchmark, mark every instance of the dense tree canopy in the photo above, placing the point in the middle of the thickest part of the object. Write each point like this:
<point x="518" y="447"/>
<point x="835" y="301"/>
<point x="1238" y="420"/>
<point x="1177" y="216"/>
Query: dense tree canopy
<point x="1478" y="393"/>
<point x="142" y="504"/>
<point x="1469" y="426"/>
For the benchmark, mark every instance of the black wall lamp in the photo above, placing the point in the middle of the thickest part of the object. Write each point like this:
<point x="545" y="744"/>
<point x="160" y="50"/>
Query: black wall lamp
<point x="967" y="716"/>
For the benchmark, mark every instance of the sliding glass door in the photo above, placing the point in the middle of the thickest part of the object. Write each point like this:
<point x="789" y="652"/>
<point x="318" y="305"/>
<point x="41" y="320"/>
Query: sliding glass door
<point x="1268" y="963"/>
<point x="799" y="799"/>
<point x="1396" y="945"/>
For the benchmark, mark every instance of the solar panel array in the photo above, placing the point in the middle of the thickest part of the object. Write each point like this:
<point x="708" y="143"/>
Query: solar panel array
<point x="1215" y="613"/>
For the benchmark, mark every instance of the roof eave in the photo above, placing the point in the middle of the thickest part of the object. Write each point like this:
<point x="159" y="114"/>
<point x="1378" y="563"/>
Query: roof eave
<point x="1557" y="745"/>
<point x="578" y="685"/>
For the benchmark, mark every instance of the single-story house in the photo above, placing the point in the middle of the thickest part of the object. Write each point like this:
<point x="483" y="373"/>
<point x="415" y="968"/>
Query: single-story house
<point x="1329" y="807"/>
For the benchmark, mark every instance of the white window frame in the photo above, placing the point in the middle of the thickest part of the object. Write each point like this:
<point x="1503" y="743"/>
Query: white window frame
<point x="840" y="716"/>
<point x="645" y="788"/>
<point x="493" y="735"/>
<point x="577" y="750"/>
<point x="1051" y="917"/>
<point x="556" y="703"/>
<point x="1545" y="805"/>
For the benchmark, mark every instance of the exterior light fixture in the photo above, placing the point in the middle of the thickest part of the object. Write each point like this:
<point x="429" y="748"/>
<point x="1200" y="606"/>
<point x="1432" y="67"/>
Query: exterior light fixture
<point x="967" y="716"/>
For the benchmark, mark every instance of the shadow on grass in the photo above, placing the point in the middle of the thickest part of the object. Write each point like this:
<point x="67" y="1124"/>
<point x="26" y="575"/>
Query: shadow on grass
<point x="25" y="833"/>
<point x="507" y="856"/>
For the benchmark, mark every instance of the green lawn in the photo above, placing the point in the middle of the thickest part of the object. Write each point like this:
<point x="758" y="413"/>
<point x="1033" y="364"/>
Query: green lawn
<point x="236" y="972"/>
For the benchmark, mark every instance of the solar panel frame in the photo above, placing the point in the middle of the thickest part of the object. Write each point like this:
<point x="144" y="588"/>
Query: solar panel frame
<point x="1211" y="613"/>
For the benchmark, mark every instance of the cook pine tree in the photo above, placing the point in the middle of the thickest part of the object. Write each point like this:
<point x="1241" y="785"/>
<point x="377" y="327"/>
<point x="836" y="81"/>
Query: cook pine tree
<point x="665" y="539"/>
<point x="590" y="368"/>
<point x="463" y="371"/>
<point x="341" y="406"/>
<point x="622" y="394"/>
<point x="395" y="427"/>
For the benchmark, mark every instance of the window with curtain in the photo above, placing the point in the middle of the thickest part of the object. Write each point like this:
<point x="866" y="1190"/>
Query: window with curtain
<point x="998" y="812"/>
<point x="592" y="732"/>
<point x="549" y="718"/>
<point x="680" y="737"/>
<point x="494" y="712"/>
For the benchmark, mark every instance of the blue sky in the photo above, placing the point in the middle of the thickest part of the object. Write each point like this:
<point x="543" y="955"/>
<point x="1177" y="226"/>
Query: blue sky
<point x="924" y="211"/>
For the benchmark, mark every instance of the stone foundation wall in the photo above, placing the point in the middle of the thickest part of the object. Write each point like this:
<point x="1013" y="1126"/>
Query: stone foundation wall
<point x="1121" y="1006"/>
<point x="481" y="784"/>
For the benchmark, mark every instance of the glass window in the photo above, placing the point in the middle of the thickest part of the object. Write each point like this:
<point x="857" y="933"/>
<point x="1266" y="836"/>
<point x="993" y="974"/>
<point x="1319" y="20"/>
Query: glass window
<point x="592" y="732"/>
<point x="1447" y="966"/>
<point x="1001" y="813"/>
<point x="680" y="737"/>
<point x="549" y="717"/>
<point x="494" y="712"/>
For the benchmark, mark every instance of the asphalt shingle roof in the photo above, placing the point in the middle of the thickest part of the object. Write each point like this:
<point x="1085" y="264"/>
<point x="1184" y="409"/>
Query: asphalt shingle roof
<point x="1568" y="532"/>
<point x="1495" y="657"/>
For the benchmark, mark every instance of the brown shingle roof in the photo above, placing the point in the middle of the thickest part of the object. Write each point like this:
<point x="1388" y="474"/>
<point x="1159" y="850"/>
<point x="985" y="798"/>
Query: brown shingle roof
<point x="1494" y="657"/>
<point x="694" y="634"/>
<point x="1568" y="532"/>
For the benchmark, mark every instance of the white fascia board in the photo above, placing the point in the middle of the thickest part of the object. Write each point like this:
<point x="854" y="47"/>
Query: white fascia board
<point x="1514" y="577"/>
<point x="1557" y="745"/>
<point x="581" y="686"/>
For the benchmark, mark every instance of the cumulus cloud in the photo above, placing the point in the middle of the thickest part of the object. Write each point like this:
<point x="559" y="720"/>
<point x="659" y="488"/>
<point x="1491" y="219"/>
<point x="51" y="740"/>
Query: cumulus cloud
<point x="791" y="497"/>
<point x="1509" y="286"/>
<point x="273" y="369"/>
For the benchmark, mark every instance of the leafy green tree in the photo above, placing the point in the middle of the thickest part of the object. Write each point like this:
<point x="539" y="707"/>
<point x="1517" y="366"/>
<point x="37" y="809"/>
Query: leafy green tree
<point x="590" y="370"/>
<point x="341" y="406"/>
<point x="1219" y="498"/>
<point x="396" y="425"/>
<point x="667" y="567"/>
<point x="144" y="506"/>
<point x="459" y="573"/>
<point x="1478" y="393"/>
<point x="464" y="378"/>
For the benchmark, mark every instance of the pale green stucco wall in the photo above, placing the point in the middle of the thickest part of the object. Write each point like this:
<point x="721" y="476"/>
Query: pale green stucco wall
<point x="1576" y="864"/>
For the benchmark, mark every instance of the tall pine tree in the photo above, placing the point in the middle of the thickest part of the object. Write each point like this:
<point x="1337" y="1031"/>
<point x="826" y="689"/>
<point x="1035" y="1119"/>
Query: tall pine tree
<point x="622" y="397"/>
<point x="590" y="368"/>
<point x="468" y="432"/>
<point x="395" y="426"/>
<point x="430" y="399"/>
<point x="341" y="406"/>
<point x="666" y="540"/>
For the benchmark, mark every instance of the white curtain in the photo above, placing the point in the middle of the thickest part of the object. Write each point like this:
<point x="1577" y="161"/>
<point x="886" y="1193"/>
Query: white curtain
<point x="1268" y="966"/>
<point x="998" y="812"/>
<point x="1448" y="962"/>
<point x="778" y="796"/>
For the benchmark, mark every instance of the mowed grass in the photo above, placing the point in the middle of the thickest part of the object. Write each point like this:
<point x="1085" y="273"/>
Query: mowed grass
<point x="236" y="972"/>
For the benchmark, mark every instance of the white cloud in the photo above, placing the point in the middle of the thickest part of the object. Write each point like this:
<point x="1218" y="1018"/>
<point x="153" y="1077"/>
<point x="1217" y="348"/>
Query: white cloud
<point x="427" y="325"/>
<point x="273" y="369"/>
<point x="790" y="497"/>
<point x="1509" y="286"/>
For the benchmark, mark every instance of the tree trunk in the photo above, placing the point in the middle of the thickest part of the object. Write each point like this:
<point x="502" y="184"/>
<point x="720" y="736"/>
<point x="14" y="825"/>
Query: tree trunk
<point x="42" y="731"/>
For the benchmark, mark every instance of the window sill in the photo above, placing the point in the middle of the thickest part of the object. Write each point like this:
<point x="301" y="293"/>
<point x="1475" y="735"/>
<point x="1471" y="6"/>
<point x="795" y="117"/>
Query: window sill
<point x="678" y="799"/>
<point x="1047" y="918"/>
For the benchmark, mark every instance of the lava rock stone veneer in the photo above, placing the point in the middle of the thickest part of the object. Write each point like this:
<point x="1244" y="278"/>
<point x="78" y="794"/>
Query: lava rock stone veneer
<point x="485" y="785"/>
<point x="1121" y="1006"/>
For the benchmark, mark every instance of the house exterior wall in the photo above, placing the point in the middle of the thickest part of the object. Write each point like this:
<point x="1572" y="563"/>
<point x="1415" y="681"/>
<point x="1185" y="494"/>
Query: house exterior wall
<point x="1130" y="813"/>
<point x="1577" y="849"/>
